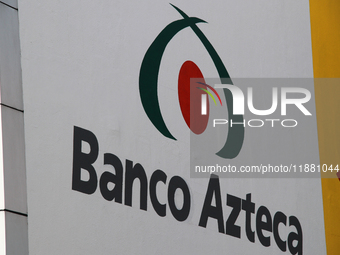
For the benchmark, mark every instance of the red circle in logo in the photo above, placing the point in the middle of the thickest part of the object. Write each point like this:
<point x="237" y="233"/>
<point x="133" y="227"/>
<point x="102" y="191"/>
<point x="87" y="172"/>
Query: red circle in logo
<point x="190" y="97"/>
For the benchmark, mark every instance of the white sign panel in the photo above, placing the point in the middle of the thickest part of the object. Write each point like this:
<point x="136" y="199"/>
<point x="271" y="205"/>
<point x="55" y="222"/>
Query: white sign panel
<point x="103" y="177"/>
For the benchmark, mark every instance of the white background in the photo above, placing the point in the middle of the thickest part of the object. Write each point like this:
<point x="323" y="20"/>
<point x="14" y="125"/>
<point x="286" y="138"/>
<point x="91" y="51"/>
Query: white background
<point x="80" y="63"/>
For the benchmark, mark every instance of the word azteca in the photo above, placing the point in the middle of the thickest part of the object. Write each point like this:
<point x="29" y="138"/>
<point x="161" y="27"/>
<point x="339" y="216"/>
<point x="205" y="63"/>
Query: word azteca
<point x="212" y="208"/>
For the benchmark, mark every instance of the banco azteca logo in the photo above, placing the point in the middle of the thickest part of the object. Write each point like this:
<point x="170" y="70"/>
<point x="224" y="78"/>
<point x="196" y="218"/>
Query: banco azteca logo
<point x="191" y="97"/>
